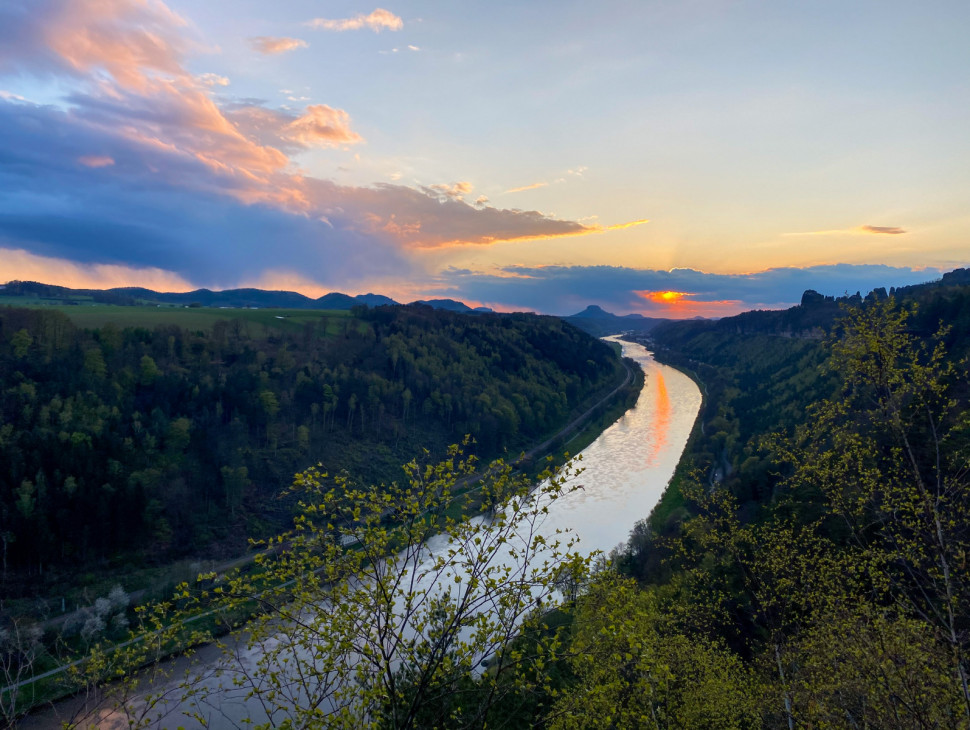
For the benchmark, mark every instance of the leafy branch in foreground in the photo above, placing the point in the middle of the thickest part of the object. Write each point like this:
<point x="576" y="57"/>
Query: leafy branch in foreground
<point x="385" y="602"/>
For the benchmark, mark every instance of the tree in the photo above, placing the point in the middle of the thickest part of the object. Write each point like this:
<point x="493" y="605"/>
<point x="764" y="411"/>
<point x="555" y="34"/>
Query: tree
<point x="147" y="370"/>
<point x="21" y="341"/>
<point x="890" y="457"/>
<point x="94" y="362"/>
<point x="635" y="669"/>
<point x="20" y="648"/>
<point x="383" y="605"/>
<point x="848" y="591"/>
<point x="234" y="482"/>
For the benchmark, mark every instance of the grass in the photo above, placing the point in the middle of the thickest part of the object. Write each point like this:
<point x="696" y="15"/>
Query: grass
<point x="89" y="315"/>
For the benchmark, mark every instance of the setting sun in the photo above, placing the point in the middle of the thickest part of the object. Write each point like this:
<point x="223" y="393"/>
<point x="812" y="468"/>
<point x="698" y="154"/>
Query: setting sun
<point x="664" y="297"/>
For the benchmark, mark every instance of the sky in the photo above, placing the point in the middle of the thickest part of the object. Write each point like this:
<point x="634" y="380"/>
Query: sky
<point x="677" y="158"/>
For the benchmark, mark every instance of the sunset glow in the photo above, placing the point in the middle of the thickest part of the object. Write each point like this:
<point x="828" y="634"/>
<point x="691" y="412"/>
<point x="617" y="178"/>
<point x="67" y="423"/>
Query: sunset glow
<point x="664" y="297"/>
<point x="660" y="421"/>
<point x="304" y="146"/>
<point x="680" y="305"/>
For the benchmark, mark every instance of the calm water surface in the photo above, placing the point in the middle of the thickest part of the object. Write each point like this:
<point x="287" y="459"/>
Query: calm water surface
<point x="625" y="472"/>
<point x="627" y="468"/>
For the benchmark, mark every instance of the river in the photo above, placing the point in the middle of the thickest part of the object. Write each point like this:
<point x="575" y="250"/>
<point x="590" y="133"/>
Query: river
<point x="625" y="472"/>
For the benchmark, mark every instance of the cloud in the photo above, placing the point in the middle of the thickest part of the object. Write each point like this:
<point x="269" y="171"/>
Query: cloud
<point x="198" y="186"/>
<point x="533" y="186"/>
<point x="26" y="266"/>
<point x="455" y="191"/>
<point x="675" y="293"/>
<point x="124" y="60"/>
<point x="628" y="224"/>
<point x="163" y="207"/>
<point x="414" y="48"/>
<point x="131" y="41"/>
<point x="140" y="219"/>
<point x="679" y="305"/>
<point x="321" y="125"/>
<point x="96" y="161"/>
<point x="427" y="218"/>
<point x="377" y="21"/>
<point x="858" y="230"/>
<point x="270" y="45"/>
<point x="284" y="131"/>
<point x="211" y="79"/>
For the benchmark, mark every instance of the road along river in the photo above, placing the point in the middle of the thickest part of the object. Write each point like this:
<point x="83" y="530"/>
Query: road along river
<point x="625" y="472"/>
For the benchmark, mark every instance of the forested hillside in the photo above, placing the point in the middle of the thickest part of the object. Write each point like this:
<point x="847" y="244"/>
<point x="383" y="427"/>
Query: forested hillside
<point x="761" y="370"/>
<point x="808" y="565"/>
<point x="152" y="443"/>
<point x="811" y="571"/>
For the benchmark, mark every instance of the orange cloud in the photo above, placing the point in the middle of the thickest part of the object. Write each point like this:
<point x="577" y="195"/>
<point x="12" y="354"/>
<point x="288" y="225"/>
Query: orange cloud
<point x="270" y="45"/>
<point x="376" y="21"/>
<point x="533" y="186"/>
<point x="127" y="38"/>
<point x="96" y="161"/>
<point x="629" y="224"/>
<point x="858" y="230"/>
<point x="322" y="125"/>
<point x="138" y="92"/>
<point x="187" y="119"/>
<point x="455" y="191"/>
<point x="543" y="228"/>
<point x="26" y="266"/>
<point x="676" y="305"/>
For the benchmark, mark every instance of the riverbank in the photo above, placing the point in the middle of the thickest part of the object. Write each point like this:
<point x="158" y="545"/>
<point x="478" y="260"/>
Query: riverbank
<point x="671" y="505"/>
<point x="625" y="470"/>
<point x="574" y="436"/>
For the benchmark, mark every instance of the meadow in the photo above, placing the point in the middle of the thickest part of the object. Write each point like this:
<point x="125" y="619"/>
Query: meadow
<point x="91" y="315"/>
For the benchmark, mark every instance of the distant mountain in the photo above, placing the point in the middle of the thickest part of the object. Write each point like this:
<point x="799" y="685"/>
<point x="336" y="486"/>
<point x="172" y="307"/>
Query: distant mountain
<point x="452" y="305"/>
<point x="335" y="300"/>
<point x="228" y="298"/>
<point x="233" y="298"/>
<point x="598" y="322"/>
<point x="946" y="299"/>
<point x="374" y="300"/>
<point x="593" y="311"/>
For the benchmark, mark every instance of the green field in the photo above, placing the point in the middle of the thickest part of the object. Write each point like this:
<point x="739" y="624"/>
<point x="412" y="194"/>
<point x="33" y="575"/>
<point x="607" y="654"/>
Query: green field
<point x="190" y="318"/>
